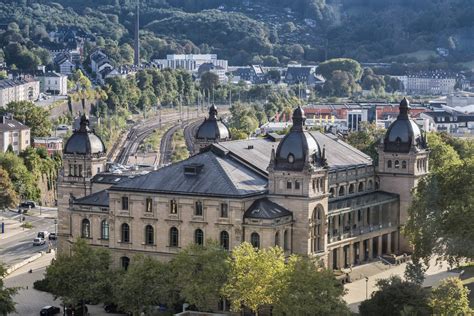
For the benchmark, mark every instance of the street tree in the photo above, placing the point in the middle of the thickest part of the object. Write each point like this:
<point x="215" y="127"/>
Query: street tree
<point x="441" y="214"/>
<point x="327" y="68"/>
<point x="395" y="296"/>
<point x="82" y="276"/>
<point x="450" y="297"/>
<point x="8" y="196"/>
<point x="7" y="304"/>
<point x="35" y="117"/>
<point x="200" y="273"/>
<point x="310" y="290"/>
<point x="209" y="81"/>
<point x="146" y="283"/>
<point x="256" y="277"/>
<point x="367" y="139"/>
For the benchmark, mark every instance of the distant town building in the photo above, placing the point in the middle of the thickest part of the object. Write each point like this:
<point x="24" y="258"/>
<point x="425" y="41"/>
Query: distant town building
<point x="460" y="100"/>
<point x="253" y="74"/>
<point x="13" y="133"/>
<point x="217" y="70"/>
<point x="430" y="83"/>
<point x="51" y="144"/>
<point x="99" y="61"/>
<point x="296" y="74"/>
<point x="190" y="62"/>
<point x="451" y="122"/>
<point x="18" y="90"/>
<point x="54" y="83"/>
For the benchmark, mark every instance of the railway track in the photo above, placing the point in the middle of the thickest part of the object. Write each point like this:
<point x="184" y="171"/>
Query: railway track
<point x="166" y="141"/>
<point x="189" y="132"/>
<point x="138" y="133"/>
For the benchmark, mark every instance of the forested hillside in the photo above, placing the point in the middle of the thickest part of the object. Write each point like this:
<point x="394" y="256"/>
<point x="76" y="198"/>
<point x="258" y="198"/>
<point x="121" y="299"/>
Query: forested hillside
<point x="272" y="32"/>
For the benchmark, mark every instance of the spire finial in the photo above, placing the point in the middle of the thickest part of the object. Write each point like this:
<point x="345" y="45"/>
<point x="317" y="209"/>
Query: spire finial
<point x="404" y="108"/>
<point x="298" y="119"/>
<point x="213" y="112"/>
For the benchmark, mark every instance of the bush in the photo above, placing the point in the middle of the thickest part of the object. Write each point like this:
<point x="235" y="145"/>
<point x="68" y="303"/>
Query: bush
<point x="41" y="285"/>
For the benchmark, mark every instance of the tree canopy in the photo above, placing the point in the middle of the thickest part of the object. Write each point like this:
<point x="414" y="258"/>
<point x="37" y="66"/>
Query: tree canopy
<point x="7" y="304"/>
<point x="35" y="117"/>
<point x="442" y="210"/>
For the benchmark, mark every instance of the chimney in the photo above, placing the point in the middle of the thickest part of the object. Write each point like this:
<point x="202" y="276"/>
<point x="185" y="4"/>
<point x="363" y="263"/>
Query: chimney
<point x="137" y="35"/>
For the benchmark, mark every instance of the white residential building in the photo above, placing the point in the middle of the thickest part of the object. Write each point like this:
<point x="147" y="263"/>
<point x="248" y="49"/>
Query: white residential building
<point x="190" y="62"/>
<point x="18" y="90"/>
<point x="54" y="83"/>
<point x="430" y="84"/>
<point x="13" y="133"/>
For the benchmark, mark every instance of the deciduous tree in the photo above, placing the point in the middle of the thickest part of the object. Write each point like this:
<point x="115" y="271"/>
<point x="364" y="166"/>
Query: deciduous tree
<point x="310" y="290"/>
<point x="450" y="297"/>
<point x="200" y="273"/>
<point x="8" y="196"/>
<point x="395" y="296"/>
<point x="7" y="304"/>
<point x="256" y="277"/>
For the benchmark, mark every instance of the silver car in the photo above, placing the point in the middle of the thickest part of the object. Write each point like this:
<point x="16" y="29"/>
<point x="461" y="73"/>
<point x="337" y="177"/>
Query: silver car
<point x="38" y="241"/>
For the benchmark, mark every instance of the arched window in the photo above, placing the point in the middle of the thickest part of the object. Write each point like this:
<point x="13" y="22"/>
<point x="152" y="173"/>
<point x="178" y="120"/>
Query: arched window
<point x="104" y="230"/>
<point x="125" y="230"/>
<point x="125" y="262"/>
<point x="389" y="164"/>
<point x="255" y="240"/>
<point x="316" y="229"/>
<point x="86" y="228"/>
<point x="370" y="185"/>
<point x="199" y="237"/>
<point x="341" y="191"/>
<point x="361" y="187"/>
<point x="224" y="239"/>
<point x="404" y="164"/>
<point x="397" y="164"/>
<point x="174" y="237"/>
<point x="277" y="239"/>
<point x="351" y="188"/>
<point x="331" y="192"/>
<point x="149" y="235"/>
<point x="286" y="245"/>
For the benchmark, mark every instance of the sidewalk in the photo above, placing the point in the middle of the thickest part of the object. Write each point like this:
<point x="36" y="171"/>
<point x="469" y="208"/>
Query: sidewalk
<point x="360" y="289"/>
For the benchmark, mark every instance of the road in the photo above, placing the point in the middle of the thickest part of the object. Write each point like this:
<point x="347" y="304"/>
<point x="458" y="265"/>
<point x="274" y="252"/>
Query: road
<point x="16" y="244"/>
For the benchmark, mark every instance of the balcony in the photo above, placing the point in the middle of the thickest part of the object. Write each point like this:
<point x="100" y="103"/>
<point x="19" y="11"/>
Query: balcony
<point x="357" y="231"/>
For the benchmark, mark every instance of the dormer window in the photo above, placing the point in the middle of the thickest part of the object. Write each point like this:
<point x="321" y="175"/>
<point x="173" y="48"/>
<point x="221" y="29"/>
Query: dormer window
<point x="192" y="169"/>
<point x="291" y="158"/>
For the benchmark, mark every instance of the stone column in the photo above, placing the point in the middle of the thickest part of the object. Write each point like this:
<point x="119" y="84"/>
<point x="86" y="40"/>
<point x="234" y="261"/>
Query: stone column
<point x="361" y="251"/>
<point x="351" y="254"/>
<point x="341" y="259"/>
<point x="371" y="245"/>
<point x="379" y="250"/>
<point x="389" y="243"/>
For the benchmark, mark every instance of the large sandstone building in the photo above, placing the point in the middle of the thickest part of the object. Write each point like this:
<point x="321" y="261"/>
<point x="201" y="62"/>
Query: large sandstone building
<point x="310" y="193"/>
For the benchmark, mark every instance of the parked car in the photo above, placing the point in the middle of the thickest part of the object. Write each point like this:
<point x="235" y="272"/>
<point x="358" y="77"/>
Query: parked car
<point x="38" y="241"/>
<point x="50" y="310"/>
<point x="27" y="205"/>
<point x="52" y="236"/>
<point x="43" y="234"/>
<point x="62" y="128"/>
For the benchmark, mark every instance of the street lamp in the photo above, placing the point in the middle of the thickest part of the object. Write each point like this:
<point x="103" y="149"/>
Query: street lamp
<point x="366" y="287"/>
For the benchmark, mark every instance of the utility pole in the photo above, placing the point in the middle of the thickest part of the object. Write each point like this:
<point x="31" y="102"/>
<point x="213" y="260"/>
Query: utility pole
<point x="137" y="35"/>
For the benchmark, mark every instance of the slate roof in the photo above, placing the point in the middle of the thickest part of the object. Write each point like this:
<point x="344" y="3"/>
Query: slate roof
<point x="7" y="124"/>
<point x="265" y="209"/>
<point x="100" y="199"/>
<point x="338" y="153"/>
<point x="111" y="178"/>
<point x="219" y="175"/>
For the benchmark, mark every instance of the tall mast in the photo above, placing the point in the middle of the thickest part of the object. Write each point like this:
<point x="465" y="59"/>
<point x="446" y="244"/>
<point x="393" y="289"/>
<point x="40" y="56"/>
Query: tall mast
<point x="137" y="35"/>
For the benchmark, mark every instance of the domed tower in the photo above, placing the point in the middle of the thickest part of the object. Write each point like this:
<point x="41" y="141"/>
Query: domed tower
<point x="403" y="160"/>
<point x="298" y="180"/>
<point x="84" y="156"/>
<point x="212" y="130"/>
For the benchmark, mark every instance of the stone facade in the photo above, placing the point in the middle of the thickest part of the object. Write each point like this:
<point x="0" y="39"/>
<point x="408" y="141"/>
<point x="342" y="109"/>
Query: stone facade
<point x="329" y="201"/>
